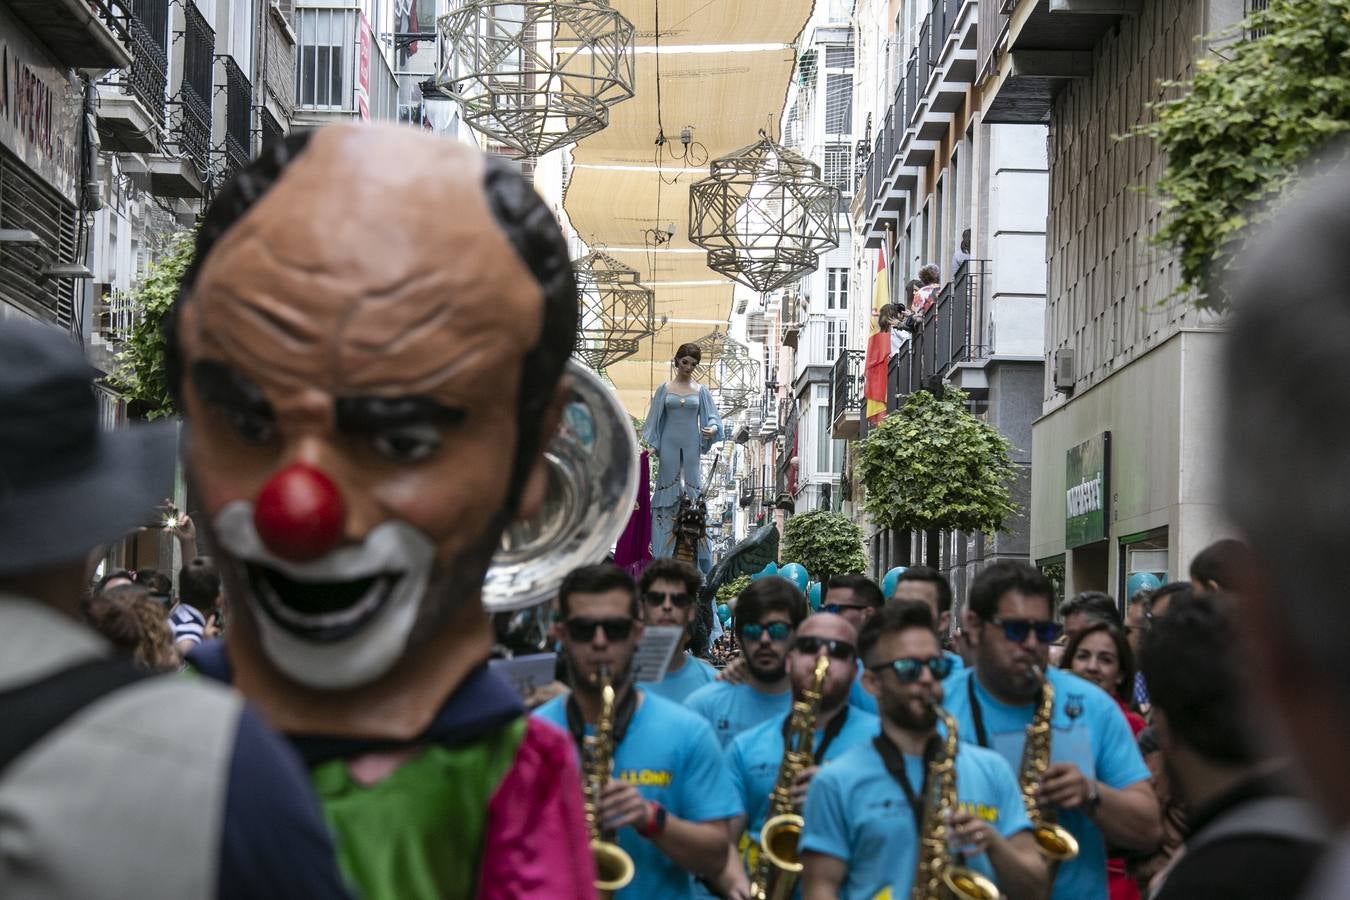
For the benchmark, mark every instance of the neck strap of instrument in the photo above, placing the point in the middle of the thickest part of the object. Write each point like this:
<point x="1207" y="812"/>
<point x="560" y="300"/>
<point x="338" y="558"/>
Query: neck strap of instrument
<point x="977" y="713"/>
<point x="831" y="732"/>
<point x="623" y="716"/>
<point x="894" y="761"/>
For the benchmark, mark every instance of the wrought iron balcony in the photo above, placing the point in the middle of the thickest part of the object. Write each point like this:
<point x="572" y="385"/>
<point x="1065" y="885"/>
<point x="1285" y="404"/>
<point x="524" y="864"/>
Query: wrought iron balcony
<point x="193" y="131"/>
<point x="148" y="77"/>
<point x="846" y="394"/>
<point x="235" y="149"/>
<point x="945" y="338"/>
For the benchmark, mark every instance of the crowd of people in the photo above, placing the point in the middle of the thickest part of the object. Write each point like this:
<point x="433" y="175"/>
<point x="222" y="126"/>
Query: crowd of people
<point x="367" y="407"/>
<point x="1163" y="800"/>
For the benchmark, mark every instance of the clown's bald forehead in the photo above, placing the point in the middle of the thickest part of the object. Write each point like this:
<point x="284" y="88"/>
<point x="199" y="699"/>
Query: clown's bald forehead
<point x="373" y="262"/>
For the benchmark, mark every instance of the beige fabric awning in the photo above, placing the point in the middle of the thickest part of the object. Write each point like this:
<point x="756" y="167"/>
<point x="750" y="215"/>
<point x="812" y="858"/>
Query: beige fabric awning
<point x="620" y="185"/>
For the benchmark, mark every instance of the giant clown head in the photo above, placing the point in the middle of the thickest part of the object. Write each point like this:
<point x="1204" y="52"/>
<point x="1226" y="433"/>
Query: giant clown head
<point x="368" y="349"/>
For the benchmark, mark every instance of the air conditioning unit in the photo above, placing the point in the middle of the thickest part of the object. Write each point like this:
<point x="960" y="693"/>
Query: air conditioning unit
<point x="1064" y="371"/>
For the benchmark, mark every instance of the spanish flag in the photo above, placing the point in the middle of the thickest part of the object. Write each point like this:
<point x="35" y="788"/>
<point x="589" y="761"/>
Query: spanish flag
<point x="878" y="347"/>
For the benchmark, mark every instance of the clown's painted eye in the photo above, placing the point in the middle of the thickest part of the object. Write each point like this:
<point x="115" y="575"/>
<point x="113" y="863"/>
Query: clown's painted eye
<point x="407" y="443"/>
<point x="249" y="425"/>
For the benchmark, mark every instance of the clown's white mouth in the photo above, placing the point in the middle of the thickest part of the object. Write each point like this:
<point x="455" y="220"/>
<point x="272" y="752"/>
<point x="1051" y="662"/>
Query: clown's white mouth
<point x="320" y="611"/>
<point x="340" y="620"/>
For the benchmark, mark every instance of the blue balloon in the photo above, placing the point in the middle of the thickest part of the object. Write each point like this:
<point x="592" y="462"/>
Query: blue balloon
<point x="723" y="614"/>
<point x="813" y="595"/>
<point x="891" y="579"/>
<point x="1140" y="581"/>
<point x="770" y="569"/>
<point x="797" y="574"/>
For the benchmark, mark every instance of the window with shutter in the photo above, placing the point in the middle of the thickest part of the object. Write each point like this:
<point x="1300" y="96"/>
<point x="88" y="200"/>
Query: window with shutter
<point x="838" y="104"/>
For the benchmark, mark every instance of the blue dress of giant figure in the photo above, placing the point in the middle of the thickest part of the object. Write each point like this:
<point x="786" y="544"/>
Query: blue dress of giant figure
<point x="674" y="429"/>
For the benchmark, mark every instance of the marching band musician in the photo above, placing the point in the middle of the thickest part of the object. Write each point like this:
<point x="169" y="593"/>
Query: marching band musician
<point x="1096" y="783"/>
<point x="864" y="812"/>
<point x="768" y="612"/>
<point x="670" y="594"/>
<point x="670" y="800"/>
<point x="754" y="757"/>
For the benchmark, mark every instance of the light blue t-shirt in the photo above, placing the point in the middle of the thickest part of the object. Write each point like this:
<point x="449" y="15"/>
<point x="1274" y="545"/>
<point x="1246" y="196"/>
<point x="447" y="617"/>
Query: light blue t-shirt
<point x="676" y="686"/>
<point x="858" y="696"/>
<point x="856" y="812"/>
<point x="733" y="708"/>
<point x="754" y="757"/>
<point x="1088" y="730"/>
<point x="671" y="756"/>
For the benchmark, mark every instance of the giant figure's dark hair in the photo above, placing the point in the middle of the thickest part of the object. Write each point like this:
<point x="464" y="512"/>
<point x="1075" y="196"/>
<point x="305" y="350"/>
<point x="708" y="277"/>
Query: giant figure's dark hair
<point x="522" y="216"/>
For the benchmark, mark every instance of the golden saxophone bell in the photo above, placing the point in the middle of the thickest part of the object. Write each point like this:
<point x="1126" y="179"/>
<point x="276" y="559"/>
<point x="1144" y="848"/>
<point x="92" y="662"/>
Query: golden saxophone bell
<point x="1055" y="842"/>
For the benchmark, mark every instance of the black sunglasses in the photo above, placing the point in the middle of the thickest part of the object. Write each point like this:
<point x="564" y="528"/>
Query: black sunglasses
<point x="583" y="630"/>
<point x="658" y="598"/>
<point x="837" y="608"/>
<point x="909" y="669"/>
<point x="837" y="649"/>
<point x="777" y="631"/>
<point x="1016" y="630"/>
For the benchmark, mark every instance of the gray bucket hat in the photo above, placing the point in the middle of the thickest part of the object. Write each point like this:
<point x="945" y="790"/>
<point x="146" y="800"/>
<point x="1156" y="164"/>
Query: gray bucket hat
<point x="66" y="484"/>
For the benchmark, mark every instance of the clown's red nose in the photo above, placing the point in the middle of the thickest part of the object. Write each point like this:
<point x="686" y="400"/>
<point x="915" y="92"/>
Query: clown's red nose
<point x="299" y="513"/>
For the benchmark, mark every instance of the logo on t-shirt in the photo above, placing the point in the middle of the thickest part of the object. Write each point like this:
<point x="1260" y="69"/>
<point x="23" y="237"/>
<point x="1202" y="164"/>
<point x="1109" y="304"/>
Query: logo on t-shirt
<point x="646" y="777"/>
<point x="1073" y="706"/>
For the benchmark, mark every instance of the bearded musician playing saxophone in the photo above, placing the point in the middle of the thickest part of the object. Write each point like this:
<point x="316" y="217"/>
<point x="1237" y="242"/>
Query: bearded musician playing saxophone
<point x="864" y="812"/>
<point x="1095" y="782"/>
<point x="670" y="801"/>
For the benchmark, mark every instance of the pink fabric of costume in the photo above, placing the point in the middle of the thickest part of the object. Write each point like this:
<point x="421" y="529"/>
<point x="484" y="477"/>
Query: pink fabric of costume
<point x="536" y="843"/>
<point x="634" y="549"/>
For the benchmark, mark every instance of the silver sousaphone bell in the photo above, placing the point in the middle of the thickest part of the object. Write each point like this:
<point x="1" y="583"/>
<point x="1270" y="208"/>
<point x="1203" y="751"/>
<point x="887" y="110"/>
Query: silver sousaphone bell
<point x="592" y="482"/>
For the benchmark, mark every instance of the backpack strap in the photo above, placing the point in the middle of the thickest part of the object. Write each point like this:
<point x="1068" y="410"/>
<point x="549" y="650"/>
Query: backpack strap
<point x="32" y="711"/>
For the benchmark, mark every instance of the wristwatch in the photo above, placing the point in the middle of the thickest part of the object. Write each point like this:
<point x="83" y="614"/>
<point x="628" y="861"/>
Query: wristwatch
<point x="656" y="821"/>
<point x="1094" y="798"/>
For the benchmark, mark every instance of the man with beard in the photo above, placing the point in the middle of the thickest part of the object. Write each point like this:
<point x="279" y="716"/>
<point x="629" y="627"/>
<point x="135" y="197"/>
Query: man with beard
<point x="669" y="591"/>
<point x="369" y="360"/>
<point x="754" y="757"/>
<point x="669" y="800"/>
<point x="1096" y="783"/>
<point x="768" y="612"/>
<point x="865" y="811"/>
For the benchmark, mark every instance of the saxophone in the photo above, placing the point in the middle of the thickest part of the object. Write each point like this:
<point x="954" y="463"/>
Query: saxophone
<point x="1054" y="841"/>
<point x="779" y="864"/>
<point x="938" y="875"/>
<point x="613" y="866"/>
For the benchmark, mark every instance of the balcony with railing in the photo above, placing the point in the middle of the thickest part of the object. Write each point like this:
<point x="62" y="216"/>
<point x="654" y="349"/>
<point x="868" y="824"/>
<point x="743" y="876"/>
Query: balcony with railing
<point x="846" y="394"/>
<point x="187" y="172"/>
<point x="82" y="34"/>
<point x="131" y="102"/>
<point x="236" y="146"/>
<point x="946" y="338"/>
<point x="931" y="90"/>
<point x="1049" y="43"/>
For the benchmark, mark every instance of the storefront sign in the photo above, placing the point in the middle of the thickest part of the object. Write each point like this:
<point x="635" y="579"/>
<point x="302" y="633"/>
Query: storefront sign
<point x="39" y="111"/>
<point x="1087" y="494"/>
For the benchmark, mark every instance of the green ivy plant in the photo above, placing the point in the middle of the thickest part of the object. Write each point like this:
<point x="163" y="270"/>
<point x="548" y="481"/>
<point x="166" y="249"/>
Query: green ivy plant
<point x="1248" y="120"/>
<point x="140" y="365"/>
<point x="730" y="590"/>
<point x="825" y="542"/>
<point x="931" y="464"/>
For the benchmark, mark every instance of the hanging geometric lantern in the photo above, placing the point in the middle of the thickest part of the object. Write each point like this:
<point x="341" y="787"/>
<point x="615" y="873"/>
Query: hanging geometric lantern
<point x="763" y="215"/>
<point x="535" y="75"/>
<point x="730" y="371"/>
<point x="616" y="311"/>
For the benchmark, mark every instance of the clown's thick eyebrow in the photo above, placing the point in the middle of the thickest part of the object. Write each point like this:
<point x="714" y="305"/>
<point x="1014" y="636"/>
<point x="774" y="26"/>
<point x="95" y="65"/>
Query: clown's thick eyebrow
<point x="222" y="386"/>
<point x="368" y="414"/>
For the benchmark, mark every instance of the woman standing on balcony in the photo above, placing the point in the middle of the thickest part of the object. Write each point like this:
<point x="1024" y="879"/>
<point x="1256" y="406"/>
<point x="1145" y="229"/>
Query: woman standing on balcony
<point x="930" y="280"/>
